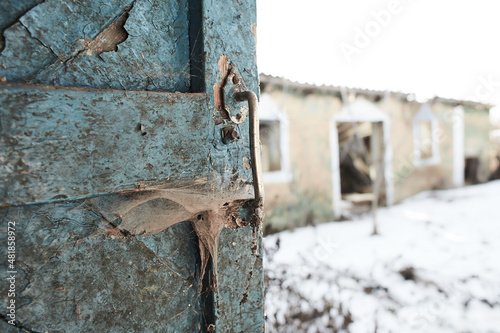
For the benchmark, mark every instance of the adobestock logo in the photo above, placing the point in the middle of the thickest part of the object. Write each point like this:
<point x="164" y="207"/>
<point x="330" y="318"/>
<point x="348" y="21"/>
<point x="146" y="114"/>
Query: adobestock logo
<point x="324" y="250"/>
<point x="486" y="88"/>
<point x="363" y="37"/>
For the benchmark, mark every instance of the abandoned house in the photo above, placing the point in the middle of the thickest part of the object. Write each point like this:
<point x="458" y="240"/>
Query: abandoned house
<point x="326" y="151"/>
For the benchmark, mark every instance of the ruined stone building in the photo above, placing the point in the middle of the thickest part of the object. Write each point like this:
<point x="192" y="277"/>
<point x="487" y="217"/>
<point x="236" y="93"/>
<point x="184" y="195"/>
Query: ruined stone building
<point x="323" y="147"/>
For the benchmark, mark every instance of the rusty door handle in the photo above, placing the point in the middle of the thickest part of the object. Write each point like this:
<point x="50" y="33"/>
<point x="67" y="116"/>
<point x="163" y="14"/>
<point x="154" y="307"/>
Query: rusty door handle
<point x="253" y="104"/>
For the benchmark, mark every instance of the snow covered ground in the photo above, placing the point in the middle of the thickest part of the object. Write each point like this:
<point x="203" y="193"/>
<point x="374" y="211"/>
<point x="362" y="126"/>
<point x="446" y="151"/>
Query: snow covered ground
<point x="434" y="267"/>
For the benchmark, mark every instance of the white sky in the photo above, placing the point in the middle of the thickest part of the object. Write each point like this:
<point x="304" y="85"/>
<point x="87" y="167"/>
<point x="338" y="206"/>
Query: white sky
<point x="441" y="47"/>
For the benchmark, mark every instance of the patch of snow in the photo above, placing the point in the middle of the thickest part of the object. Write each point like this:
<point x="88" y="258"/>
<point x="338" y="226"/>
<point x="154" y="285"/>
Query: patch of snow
<point x="434" y="267"/>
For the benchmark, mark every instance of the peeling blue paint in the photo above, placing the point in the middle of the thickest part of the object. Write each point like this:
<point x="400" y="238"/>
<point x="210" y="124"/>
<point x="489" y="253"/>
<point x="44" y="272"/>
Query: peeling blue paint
<point x="104" y="178"/>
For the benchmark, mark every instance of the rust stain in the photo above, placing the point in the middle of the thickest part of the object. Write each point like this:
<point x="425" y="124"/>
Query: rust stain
<point x="110" y="231"/>
<point x="246" y="164"/>
<point x="225" y="70"/>
<point x="58" y="285"/>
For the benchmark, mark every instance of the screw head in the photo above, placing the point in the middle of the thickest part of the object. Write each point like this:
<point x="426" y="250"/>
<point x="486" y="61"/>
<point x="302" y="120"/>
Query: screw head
<point x="229" y="134"/>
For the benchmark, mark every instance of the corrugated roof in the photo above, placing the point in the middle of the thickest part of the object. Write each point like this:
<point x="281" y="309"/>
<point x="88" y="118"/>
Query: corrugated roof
<point x="275" y="80"/>
<point x="281" y="81"/>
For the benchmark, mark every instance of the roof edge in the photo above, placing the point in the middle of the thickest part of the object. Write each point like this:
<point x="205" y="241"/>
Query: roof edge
<point x="281" y="81"/>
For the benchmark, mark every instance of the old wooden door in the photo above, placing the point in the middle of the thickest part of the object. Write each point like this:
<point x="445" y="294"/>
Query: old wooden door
<point x="127" y="199"/>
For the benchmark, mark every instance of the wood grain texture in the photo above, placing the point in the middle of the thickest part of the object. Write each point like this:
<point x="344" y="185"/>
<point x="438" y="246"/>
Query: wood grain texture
<point x="154" y="54"/>
<point x="62" y="143"/>
<point x="109" y="175"/>
<point x="239" y="299"/>
<point x="74" y="277"/>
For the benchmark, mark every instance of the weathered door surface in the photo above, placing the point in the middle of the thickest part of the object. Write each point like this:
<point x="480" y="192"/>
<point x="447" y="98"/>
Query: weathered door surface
<point x="128" y="187"/>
